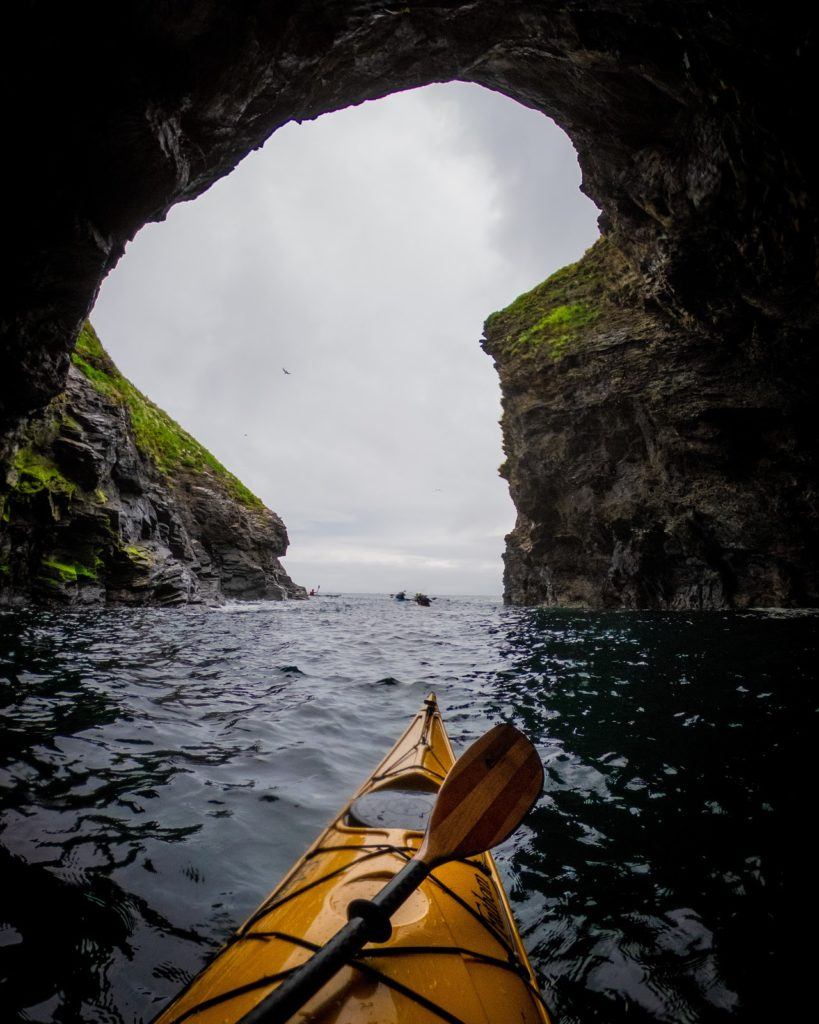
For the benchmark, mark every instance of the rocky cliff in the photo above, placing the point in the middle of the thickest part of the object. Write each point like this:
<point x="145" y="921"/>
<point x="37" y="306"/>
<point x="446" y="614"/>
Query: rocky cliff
<point x="691" y="123"/>
<point x="104" y="498"/>
<point x="650" y="465"/>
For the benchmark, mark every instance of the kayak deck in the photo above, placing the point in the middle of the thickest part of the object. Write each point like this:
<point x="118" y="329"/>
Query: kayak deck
<point x="455" y="954"/>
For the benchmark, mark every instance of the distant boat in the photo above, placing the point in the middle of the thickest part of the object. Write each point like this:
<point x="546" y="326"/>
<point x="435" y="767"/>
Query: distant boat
<point x="400" y="596"/>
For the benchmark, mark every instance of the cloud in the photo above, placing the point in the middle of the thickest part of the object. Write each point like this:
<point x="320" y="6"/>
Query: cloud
<point x="361" y="252"/>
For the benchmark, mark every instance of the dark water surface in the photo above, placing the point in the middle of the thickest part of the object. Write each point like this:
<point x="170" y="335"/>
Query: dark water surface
<point x="161" y="769"/>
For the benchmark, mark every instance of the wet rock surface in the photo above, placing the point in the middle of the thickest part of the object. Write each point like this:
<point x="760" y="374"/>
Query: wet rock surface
<point x="650" y="468"/>
<point x="89" y="518"/>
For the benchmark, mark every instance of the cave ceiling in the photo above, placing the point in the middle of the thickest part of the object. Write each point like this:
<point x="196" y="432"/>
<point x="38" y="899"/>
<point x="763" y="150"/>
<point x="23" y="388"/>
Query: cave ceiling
<point x="690" y="121"/>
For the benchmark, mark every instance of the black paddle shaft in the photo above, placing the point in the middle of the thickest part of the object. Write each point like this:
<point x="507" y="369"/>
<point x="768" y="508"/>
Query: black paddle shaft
<point x="369" y="922"/>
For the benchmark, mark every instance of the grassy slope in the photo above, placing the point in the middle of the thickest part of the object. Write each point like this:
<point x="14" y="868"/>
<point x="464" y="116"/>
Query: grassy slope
<point x="38" y="482"/>
<point x="170" y="447"/>
<point x="554" y="318"/>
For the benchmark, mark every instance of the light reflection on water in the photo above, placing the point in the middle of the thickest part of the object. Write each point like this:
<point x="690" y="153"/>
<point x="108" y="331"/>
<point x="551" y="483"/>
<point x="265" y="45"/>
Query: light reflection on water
<point x="161" y="770"/>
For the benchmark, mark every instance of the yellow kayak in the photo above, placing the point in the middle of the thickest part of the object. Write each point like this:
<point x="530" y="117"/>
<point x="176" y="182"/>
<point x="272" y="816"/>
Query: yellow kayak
<point x="454" y="955"/>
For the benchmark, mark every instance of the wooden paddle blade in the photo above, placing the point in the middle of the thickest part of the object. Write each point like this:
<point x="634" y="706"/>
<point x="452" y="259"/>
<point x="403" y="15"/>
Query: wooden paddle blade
<point x="486" y="795"/>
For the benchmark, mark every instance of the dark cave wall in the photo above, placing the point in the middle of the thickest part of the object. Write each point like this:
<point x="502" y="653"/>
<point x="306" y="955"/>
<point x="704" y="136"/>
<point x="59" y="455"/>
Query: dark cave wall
<point x="689" y="121"/>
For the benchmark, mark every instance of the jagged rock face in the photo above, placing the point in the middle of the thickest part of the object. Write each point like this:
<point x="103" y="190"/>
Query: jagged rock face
<point x="689" y="121"/>
<point x="87" y="517"/>
<point x="650" y="467"/>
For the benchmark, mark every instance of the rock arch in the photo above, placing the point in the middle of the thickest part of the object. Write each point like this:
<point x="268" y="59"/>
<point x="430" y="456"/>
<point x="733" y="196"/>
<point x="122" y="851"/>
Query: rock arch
<point x="689" y="121"/>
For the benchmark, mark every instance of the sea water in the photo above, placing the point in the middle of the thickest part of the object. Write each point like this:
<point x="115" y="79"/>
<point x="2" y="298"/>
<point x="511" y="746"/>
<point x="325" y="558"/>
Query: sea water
<point x="161" y="769"/>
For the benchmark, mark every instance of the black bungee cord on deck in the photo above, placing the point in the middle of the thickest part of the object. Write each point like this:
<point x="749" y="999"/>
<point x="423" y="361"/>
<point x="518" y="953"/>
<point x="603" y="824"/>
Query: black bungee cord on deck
<point x="511" y="963"/>
<point x="482" y="801"/>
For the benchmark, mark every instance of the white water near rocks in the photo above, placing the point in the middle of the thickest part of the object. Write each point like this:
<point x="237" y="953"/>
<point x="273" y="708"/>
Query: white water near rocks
<point x="161" y="769"/>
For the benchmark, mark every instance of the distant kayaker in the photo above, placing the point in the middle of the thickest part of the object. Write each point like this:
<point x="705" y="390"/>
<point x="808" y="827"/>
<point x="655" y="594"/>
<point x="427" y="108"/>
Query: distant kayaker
<point x="422" y="599"/>
<point x="400" y="596"/>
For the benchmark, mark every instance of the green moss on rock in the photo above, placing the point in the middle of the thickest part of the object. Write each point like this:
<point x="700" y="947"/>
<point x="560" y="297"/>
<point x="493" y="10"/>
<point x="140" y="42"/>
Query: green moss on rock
<point x="169" y="446"/>
<point x="36" y="472"/>
<point x="555" y="316"/>
<point x="556" y="329"/>
<point x="56" y="568"/>
<point x="140" y="557"/>
<point x="70" y="425"/>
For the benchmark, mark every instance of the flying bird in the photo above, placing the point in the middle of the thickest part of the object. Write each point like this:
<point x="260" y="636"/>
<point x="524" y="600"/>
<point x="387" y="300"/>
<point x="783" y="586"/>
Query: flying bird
<point x="286" y="371"/>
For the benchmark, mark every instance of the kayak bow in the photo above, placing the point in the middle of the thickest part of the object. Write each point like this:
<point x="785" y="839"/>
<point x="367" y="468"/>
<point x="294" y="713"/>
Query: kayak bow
<point x="454" y="955"/>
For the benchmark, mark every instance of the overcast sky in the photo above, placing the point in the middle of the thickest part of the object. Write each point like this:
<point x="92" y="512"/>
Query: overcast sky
<point x="361" y="252"/>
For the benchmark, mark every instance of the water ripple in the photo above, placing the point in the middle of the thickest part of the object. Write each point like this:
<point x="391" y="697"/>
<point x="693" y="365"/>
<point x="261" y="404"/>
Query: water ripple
<point x="161" y="769"/>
